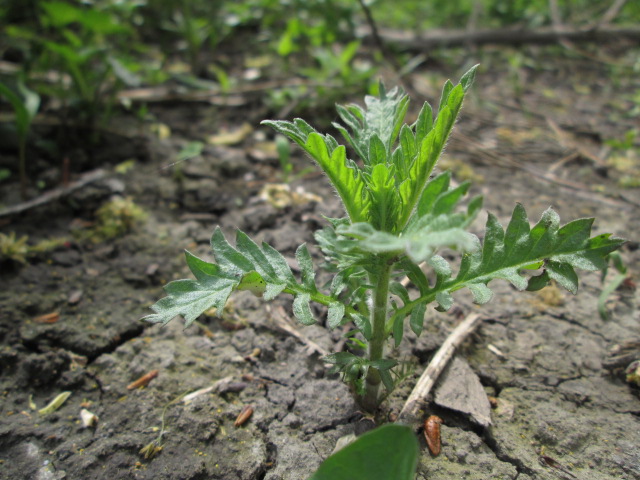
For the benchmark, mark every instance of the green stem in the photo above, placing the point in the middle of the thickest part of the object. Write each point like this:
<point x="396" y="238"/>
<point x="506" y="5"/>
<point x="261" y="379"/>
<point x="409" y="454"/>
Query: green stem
<point x="380" y="280"/>
<point x="22" y="153"/>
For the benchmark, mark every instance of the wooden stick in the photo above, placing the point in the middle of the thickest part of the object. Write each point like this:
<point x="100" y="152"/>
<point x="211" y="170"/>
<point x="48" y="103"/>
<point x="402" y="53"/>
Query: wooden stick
<point x="437" y="38"/>
<point x="418" y="397"/>
<point x="54" y="194"/>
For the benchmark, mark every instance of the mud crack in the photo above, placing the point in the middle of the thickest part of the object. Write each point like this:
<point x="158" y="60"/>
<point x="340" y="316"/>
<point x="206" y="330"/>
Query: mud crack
<point x="563" y="317"/>
<point x="501" y="455"/>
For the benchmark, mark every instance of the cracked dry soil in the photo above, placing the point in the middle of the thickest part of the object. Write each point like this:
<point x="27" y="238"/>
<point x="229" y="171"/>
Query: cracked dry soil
<point x="559" y="414"/>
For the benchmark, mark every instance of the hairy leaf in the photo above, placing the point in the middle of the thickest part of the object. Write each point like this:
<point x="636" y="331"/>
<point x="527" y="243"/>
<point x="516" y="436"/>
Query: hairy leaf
<point x="260" y="270"/>
<point x="505" y="254"/>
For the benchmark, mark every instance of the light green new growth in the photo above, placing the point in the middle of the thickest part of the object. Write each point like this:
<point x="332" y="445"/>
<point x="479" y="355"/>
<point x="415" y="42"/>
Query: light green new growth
<point x="398" y="218"/>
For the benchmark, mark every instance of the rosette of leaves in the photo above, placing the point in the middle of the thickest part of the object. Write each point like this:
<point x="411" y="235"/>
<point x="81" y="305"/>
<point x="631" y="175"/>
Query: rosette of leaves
<point x="398" y="218"/>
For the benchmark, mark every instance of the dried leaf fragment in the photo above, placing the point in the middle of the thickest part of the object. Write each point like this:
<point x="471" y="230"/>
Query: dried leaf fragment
<point x="143" y="381"/>
<point x="243" y="416"/>
<point x="88" y="418"/>
<point x="432" y="434"/>
<point x="52" y="317"/>
<point x="150" y="450"/>
<point x="55" y="404"/>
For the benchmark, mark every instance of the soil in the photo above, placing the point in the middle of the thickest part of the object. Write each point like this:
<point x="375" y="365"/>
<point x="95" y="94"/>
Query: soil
<point x="535" y="135"/>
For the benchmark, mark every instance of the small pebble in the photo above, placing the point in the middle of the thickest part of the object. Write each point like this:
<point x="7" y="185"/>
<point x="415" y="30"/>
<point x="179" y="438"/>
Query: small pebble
<point x="75" y="297"/>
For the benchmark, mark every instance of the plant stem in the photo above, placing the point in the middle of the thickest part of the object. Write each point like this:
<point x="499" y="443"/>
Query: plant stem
<point x="22" y="153"/>
<point x="380" y="280"/>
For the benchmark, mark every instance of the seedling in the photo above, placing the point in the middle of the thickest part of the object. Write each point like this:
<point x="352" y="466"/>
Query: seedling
<point x="397" y="220"/>
<point x="26" y="106"/>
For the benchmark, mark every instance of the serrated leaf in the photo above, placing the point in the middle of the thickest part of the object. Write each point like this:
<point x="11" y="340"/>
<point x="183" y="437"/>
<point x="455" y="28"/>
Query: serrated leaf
<point x="424" y="123"/>
<point x="445" y="300"/>
<point x="447" y="201"/>
<point x="278" y="263"/>
<point x="468" y="78"/>
<point x="201" y="269"/>
<point x="254" y="254"/>
<point x="335" y="314"/>
<point x="444" y="96"/>
<point x="387" y="380"/>
<point x="384" y="197"/>
<point x="564" y="274"/>
<point x="419" y="244"/>
<point x="254" y="283"/>
<point x="306" y="267"/>
<point x="363" y="324"/>
<point x="272" y="290"/>
<point x="433" y="189"/>
<point x="538" y="282"/>
<point x="383" y="364"/>
<point x="262" y="271"/>
<point x="399" y="290"/>
<point x="377" y="152"/>
<point x="343" y="174"/>
<point x="481" y="293"/>
<point x="416" y="321"/>
<point x="190" y="299"/>
<point x="398" y="329"/>
<point x="506" y="253"/>
<point x="301" y="309"/>
<point x="441" y="267"/>
<point x="228" y="257"/>
<point x="340" y="358"/>
<point x="346" y="179"/>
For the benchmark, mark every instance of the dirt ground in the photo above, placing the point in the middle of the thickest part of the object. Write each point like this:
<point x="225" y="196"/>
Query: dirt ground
<point x="536" y="134"/>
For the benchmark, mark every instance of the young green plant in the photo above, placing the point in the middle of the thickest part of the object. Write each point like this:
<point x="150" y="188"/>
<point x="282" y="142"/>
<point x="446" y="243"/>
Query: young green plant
<point x="25" y="105"/>
<point x="397" y="220"/>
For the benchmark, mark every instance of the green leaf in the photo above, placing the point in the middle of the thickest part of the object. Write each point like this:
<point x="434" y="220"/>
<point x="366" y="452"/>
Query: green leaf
<point x="340" y="359"/>
<point x="445" y="300"/>
<point x="306" y="267"/>
<point x="335" y="314"/>
<point x="254" y="254"/>
<point x="343" y="174"/>
<point x="419" y="244"/>
<point x="468" y="78"/>
<point x="558" y="250"/>
<point x="301" y="309"/>
<point x="388" y="452"/>
<point x="262" y="271"/>
<point x="384" y="197"/>
<point x="424" y="123"/>
<point x="363" y="324"/>
<point x="377" y="152"/>
<point x="444" y="96"/>
<point x="190" y="299"/>
<point x="254" y="283"/>
<point x="279" y="264"/>
<point x="481" y="293"/>
<point x="432" y="191"/>
<point x="25" y="105"/>
<point x="398" y="329"/>
<point x="417" y="318"/>
<point x="564" y="274"/>
<point x="228" y="257"/>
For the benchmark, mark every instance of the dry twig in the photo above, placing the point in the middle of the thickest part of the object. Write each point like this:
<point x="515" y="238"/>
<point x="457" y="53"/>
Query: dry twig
<point x="54" y="194"/>
<point x="409" y="413"/>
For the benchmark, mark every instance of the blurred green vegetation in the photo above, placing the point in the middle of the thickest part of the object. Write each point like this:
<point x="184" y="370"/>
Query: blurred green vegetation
<point x="77" y="55"/>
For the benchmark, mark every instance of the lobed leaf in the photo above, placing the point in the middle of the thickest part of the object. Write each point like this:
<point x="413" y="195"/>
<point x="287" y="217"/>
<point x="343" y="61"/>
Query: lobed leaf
<point x="504" y="255"/>
<point x="260" y="270"/>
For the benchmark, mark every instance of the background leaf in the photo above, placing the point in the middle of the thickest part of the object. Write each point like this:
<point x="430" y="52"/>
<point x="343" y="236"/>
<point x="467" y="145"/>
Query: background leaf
<point x="386" y="453"/>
